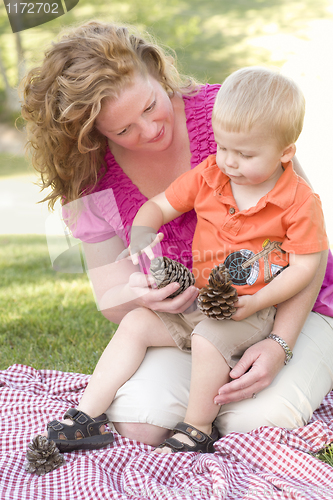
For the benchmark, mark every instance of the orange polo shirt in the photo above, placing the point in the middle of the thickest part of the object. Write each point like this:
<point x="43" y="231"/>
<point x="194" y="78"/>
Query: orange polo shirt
<point x="254" y="243"/>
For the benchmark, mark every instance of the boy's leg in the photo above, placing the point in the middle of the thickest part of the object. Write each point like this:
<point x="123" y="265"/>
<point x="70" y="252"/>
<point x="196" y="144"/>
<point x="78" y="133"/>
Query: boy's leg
<point x="215" y="345"/>
<point x="139" y="329"/>
<point x="209" y="372"/>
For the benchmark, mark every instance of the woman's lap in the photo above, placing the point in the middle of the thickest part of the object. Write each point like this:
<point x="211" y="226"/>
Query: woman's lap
<point x="158" y="392"/>
<point x="298" y="389"/>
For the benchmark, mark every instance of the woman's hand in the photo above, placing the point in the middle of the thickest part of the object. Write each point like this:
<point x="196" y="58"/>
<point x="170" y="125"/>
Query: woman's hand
<point x="156" y="299"/>
<point x="255" y="371"/>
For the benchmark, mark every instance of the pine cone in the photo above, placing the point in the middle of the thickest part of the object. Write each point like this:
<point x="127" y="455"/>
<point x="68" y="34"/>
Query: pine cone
<point x="166" y="271"/>
<point x="42" y="456"/>
<point x="217" y="298"/>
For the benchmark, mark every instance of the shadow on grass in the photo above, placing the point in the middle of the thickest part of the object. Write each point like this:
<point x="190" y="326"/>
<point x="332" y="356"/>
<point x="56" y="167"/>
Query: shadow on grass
<point x="50" y="336"/>
<point x="47" y="319"/>
<point x="25" y="259"/>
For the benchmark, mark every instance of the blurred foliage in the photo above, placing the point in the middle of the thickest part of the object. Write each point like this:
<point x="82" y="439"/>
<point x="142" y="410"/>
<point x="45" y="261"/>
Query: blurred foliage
<point x="12" y="165"/>
<point x="211" y="37"/>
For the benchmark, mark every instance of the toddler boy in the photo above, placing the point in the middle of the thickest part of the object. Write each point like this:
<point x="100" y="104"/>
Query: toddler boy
<point x="257" y="216"/>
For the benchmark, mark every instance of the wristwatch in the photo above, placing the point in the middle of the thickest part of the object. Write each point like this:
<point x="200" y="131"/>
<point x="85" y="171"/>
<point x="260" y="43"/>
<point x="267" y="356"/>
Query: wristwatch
<point x="284" y="345"/>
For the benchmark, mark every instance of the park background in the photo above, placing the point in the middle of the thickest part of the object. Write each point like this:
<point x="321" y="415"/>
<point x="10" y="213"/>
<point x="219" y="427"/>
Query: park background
<point x="49" y="319"/>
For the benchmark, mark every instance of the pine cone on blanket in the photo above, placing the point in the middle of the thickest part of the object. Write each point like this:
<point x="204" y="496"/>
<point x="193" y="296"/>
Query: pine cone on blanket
<point x="42" y="456"/>
<point x="216" y="300"/>
<point x="166" y="271"/>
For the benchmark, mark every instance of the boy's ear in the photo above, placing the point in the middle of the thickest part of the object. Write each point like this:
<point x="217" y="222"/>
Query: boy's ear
<point x="288" y="153"/>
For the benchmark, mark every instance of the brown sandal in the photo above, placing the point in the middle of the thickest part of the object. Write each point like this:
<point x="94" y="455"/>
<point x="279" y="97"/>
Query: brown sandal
<point x="84" y="434"/>
<point x="202" y="443"/>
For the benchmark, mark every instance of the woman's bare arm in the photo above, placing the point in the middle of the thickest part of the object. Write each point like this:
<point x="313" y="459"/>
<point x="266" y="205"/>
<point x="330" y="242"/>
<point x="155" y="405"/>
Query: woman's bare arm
<point x="120" y="287"/>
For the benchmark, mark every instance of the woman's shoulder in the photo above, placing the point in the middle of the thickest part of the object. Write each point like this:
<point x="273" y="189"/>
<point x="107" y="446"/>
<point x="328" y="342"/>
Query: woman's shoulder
<point x="198" y="110"/>
<point x="203" y="96"/>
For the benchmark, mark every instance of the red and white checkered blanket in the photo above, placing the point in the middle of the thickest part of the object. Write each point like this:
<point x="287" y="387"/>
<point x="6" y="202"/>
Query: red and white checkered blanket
<point x="267" y="463"/>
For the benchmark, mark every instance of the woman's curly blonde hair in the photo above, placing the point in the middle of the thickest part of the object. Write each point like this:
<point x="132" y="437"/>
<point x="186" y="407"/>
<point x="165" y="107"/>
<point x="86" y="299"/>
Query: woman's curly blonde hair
<point x="63" y="96"/>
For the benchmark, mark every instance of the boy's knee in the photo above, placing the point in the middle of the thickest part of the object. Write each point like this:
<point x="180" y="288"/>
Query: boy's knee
<point x="136" y="322"/>
<point x="137" y="316"/>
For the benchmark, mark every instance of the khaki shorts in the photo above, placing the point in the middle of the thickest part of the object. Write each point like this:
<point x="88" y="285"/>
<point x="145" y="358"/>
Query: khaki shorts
<point x="231" y="338"/>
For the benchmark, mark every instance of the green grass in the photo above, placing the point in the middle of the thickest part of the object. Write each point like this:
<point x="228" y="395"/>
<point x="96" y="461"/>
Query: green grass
<point x="12" y="166"/>
<point x="48" y="320"/>
<point x="326" y="455"/>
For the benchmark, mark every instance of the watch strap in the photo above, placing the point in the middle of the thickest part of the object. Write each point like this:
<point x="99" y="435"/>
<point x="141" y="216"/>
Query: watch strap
<point x="284" y="345"/>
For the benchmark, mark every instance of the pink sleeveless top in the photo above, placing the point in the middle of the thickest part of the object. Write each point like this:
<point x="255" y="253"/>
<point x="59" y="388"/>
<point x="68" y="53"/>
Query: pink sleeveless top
<point x="111" y="208"/>
<point x="116" y="200"/>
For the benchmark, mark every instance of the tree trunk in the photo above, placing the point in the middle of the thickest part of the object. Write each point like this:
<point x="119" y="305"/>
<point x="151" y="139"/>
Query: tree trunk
<point x="12" y="101"/>
<point x="21" y="67"/>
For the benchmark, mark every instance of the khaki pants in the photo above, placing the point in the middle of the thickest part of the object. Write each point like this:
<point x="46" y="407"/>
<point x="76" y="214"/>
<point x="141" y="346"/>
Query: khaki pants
<point x="158" y="392"/>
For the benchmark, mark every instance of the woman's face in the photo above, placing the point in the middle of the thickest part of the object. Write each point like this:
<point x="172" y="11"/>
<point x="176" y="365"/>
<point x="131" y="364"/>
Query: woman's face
<point x="141" y="119"/>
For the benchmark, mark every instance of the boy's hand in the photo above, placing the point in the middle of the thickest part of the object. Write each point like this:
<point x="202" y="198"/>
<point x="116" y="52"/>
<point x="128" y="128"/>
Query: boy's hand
<point x="246" y="306"/>
<point x="143" y="239"/>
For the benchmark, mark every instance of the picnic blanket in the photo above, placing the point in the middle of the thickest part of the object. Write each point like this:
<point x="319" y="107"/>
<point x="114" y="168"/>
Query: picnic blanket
<point x="267" y="463"/>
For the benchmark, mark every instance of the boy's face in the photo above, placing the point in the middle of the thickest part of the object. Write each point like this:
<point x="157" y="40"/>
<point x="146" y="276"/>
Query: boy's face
<point x="248" y="158"/>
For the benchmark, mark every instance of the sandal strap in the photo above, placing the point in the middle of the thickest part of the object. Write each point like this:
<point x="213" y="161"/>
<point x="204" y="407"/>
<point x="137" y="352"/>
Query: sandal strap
<point x="82" y="418"/>
<point x="192" y="432"/>
<point x="86" y="425"/>
<point x="203" y="443"/>
<point x="176" y="445"/>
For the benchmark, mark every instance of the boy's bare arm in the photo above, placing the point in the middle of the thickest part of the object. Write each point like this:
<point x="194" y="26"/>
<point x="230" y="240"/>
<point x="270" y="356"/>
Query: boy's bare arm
<point x="301" y="271"/>
<point x="155" y="213"/>
<point x="151" y="216"/>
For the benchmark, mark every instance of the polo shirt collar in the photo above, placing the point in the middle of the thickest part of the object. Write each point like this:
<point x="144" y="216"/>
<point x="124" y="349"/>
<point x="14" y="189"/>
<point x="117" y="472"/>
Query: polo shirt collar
<point x="213" y="176"/>
<point x="284" y="192"/>
<point x="282" y="195"/>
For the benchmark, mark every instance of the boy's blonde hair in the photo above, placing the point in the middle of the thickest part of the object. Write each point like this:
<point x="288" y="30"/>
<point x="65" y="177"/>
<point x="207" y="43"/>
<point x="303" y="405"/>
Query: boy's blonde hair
<point x="256" y="96"/>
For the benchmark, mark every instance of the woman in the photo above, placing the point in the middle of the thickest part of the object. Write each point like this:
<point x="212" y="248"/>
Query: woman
<point x="111" y="124"/>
